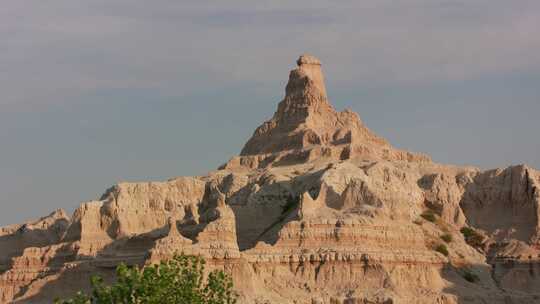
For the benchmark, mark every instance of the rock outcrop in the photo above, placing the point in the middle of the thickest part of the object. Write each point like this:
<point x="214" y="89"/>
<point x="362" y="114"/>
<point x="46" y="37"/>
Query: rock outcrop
<point x="316" y="209"/>
<point x="306" y="127"/>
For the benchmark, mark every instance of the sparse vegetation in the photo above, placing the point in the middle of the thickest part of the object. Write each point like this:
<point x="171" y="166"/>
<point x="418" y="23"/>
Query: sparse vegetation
<point x="441" y="248"/>
<point x="428" y="216"/>
<point x="179" y="280"/>
<point x="472" y="237"/>
<point x="467" y="232"/>
<point x="470" y="277"/>
<point x="446" y="237"/>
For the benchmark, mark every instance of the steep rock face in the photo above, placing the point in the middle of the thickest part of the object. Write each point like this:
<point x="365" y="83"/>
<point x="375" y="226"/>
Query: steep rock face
<point x="504" y="203"/>
<point x="316" y="209"/>
<point x="125" y="203"/>
<point x="131" y="209"/>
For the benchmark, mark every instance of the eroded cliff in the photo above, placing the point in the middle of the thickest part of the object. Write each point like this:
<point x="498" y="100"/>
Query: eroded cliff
<point x="315" y="209"/>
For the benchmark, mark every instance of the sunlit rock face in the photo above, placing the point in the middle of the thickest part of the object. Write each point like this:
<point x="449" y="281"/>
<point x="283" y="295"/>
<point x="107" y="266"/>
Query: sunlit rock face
<point x="316" y="209"/>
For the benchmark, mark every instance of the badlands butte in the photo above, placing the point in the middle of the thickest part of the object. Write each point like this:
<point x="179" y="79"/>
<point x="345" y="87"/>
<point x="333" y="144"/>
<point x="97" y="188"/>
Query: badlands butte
<point x="316" y="209"/>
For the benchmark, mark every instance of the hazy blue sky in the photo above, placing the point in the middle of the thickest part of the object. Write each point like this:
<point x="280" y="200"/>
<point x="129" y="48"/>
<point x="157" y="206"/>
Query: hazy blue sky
<point x="97" y="92"/>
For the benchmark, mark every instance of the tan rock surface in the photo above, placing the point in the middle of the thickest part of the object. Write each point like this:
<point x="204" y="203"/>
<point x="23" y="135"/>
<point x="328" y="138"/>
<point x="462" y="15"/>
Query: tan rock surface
<point x="316" y="209"/>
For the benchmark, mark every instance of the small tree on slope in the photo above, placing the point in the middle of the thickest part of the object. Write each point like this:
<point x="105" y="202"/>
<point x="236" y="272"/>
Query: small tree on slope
<point x="176" y="281"/>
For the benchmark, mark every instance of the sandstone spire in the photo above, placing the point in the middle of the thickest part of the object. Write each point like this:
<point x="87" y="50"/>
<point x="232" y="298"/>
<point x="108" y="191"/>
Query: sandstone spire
<point x="306" y="127"/>
<point x="308" y="75"/>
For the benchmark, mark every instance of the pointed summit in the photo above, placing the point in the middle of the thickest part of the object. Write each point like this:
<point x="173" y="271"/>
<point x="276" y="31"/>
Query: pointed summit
<point x="306" y="127"/>
<point x="305" y="99"/>
<point x="308" y="73"/>
<point x="305" y="93"/>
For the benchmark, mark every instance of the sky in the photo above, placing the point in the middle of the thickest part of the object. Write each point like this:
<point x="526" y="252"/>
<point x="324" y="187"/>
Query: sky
<point x="103" y="91"/>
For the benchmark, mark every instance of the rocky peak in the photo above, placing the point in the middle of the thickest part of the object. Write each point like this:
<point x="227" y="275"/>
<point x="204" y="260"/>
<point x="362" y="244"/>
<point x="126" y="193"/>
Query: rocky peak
<point x="307" y="78"/>
<point x="305" y="95"/>
<point x="306" y="127"/>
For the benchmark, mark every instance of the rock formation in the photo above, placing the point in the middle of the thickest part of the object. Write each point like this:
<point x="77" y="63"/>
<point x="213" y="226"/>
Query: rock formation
<point x="306" y="127"/>
<point x="316" y="209"/>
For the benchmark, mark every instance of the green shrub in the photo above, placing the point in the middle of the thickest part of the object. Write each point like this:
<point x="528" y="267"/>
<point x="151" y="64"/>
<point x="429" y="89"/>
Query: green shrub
<point x="446" y="237"/>
<point x="470" y="277"/>
<point x="179" y="280"/>
<point x="472" y="237"/>
<point x="428" y="216"/>
<point x="441" y="248"/>
<point x="467" y="232"/>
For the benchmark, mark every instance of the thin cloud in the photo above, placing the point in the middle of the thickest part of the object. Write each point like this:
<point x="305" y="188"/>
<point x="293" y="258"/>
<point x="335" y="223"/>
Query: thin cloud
<point x="54" y="50"/>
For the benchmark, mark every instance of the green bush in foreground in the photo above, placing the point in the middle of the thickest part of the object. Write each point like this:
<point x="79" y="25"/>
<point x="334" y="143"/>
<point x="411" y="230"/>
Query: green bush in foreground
<point x="179" y="280"/>
<point x="442" y="249"/>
